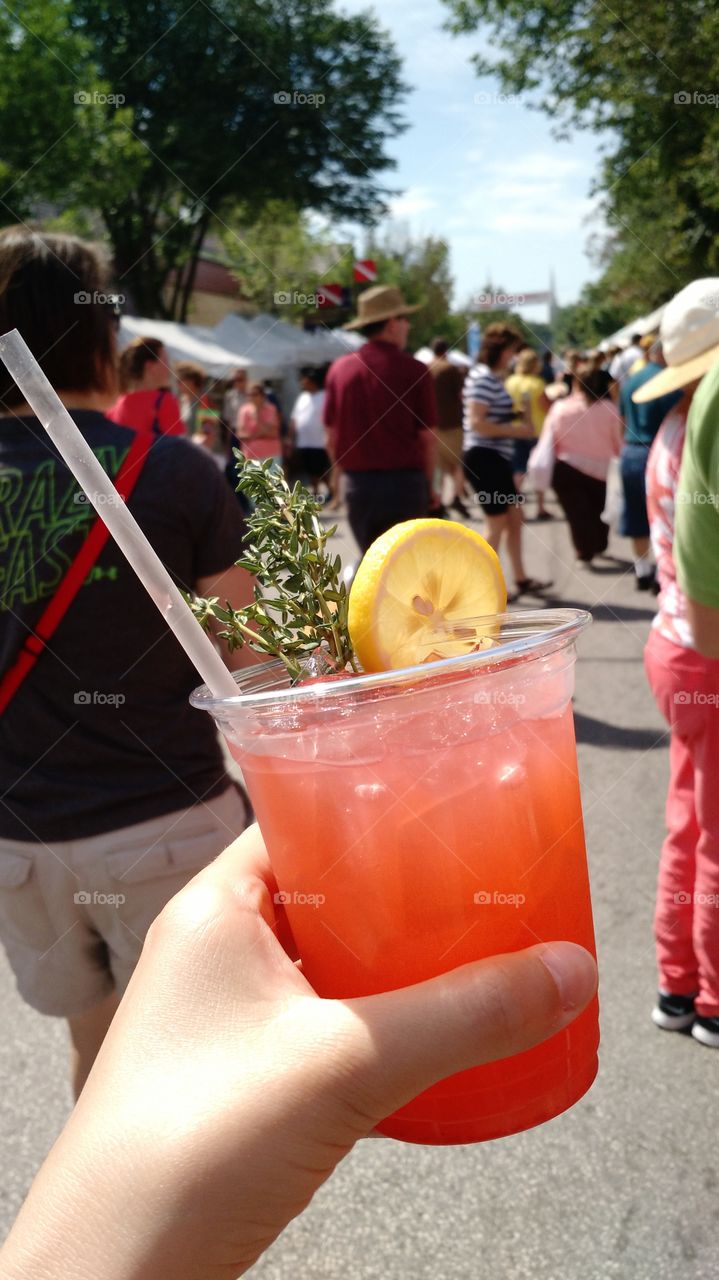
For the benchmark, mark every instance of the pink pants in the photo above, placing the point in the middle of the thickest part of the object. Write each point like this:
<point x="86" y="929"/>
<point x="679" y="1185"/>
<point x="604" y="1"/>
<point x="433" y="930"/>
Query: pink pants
<point x="686" y="922"/>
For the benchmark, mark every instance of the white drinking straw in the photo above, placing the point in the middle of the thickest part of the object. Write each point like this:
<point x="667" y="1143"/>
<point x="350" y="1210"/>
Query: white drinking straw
<point x="45" y="403"/>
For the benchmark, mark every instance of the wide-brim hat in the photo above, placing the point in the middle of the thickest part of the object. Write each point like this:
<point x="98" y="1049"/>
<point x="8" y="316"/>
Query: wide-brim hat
<point x="380" y="303"/>
<point x="689" y="334"/>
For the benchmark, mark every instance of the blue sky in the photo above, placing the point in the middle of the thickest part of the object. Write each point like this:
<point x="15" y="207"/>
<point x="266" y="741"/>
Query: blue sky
<point x="484" y="173"/>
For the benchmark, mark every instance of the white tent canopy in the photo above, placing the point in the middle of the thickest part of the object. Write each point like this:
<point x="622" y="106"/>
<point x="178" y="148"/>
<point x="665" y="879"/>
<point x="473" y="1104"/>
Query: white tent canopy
<point x="265" y="337"/>
<point x="645" y="324"/>
<point x="182" y="342"/>
<point x="426" y="355"/>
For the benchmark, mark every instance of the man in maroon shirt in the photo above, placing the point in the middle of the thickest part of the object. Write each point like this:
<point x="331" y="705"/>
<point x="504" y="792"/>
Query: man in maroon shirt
<point x="380" y="412"/>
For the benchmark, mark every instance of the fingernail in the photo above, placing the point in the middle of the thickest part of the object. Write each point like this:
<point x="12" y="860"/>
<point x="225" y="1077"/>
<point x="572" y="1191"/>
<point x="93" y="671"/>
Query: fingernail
<point x="574" y="972"/>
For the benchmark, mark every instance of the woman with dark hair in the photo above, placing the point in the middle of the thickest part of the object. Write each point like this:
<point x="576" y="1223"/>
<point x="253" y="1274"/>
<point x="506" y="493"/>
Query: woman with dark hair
<point x="491" y="428"/>
<point x="132" y="796"/>
<point x="586" y="433"/>
<point x="146" y="403"/>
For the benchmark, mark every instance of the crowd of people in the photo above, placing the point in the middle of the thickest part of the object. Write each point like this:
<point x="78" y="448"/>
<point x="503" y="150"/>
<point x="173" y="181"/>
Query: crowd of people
<point x="133" y="797"/>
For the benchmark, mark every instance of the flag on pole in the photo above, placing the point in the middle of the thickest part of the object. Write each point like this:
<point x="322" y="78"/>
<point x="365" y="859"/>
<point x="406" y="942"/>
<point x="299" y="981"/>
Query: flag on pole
<point x="365" y="271"/>
<point x="329" y="295"/>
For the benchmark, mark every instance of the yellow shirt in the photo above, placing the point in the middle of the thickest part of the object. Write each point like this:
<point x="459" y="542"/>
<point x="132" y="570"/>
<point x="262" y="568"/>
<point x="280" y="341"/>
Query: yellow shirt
<point x="520" y="384"/>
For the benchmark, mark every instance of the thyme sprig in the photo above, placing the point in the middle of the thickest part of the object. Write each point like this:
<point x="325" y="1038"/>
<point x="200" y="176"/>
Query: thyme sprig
<point x="300" y="602"/>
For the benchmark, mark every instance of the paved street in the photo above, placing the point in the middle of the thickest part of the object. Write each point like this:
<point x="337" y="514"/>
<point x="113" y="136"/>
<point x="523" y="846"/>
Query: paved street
<point x="625" y="1185"/>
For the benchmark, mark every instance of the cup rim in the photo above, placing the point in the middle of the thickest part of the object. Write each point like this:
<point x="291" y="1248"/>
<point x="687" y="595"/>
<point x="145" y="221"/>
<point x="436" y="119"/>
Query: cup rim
<point x="542" y="631"/>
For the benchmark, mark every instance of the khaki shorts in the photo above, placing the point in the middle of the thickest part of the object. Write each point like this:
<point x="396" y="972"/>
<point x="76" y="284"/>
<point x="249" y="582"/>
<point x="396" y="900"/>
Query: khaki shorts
<point x="74" y="914"/>
<point x="449" y="450"/>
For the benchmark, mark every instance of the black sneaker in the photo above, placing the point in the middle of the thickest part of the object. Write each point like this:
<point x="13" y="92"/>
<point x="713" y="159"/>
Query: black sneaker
<point x="706" y="1031"/>
<point x="674" y="1013"/>
<point x="645" y="582"/>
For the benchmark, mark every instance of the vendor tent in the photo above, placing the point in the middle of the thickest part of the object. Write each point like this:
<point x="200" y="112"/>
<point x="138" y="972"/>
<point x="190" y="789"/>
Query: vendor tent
<point x="426" y="355"/>
<point x="187" y="342"/>
<point x="645" y="324"/>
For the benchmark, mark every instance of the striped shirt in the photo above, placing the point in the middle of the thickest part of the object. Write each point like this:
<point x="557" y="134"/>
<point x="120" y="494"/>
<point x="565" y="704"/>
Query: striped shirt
<point x="487" y="388"/>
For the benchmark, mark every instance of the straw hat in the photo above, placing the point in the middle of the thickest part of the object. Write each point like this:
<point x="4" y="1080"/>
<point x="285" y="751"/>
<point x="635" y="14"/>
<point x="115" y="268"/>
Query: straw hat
<point x="380" y="303"/>
<point x="689" y="333"/>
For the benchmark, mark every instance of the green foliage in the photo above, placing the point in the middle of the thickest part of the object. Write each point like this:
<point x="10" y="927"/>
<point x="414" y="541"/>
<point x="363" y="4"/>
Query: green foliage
<point x="420" y="268"/>
<point x="648" y="76"/>
<point x="283" y="250"/>
<point x="300" y="603"/>
<point x="178" y="119"/>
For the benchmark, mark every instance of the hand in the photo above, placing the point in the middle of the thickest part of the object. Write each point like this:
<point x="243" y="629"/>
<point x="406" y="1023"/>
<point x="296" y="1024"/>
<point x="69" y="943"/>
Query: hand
<point x="227" y="1091"/>
<point x="435" y="500"/>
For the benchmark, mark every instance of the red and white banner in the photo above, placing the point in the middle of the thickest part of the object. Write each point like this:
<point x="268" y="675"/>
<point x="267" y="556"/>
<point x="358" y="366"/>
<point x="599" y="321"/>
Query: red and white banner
<point x="365" y="271"/>
<point x="329" y="295"/>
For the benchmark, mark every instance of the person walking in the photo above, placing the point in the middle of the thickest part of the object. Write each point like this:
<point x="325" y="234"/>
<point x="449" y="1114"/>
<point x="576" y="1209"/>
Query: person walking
<point x="146" y="402"/>
<point x="448" y="386"/>
<point x="115" y="791"/>
<point x="258" y="427"/>
<point x="527" y="389"/>
<point x="234" y="398"/>
<point x="380" y="411"/>
<point x="490" y="431"/>
<point x="624" y="359"/>
<point x="682" y="659"/>
<point x="642" y="420"/>
<point x="310" y="460"/>
<point x="586" y="433"/>
<point x="191" y="382"/>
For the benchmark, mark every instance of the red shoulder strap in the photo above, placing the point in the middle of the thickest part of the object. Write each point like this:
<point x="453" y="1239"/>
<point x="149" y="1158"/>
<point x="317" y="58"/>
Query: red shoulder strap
<point x="69" y="586"/>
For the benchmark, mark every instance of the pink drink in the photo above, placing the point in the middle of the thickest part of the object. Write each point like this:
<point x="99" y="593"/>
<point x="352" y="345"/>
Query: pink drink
<point x="418" y="821"/>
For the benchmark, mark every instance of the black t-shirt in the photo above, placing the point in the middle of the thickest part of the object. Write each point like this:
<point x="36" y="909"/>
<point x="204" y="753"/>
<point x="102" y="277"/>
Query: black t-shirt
<point x="100" y="734"/>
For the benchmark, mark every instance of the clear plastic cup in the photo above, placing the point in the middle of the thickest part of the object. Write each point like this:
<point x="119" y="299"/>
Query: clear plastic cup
<point x="420" y="819"/>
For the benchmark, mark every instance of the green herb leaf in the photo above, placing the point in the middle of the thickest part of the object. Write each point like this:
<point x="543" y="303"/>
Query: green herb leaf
<point x="286" y="551"/>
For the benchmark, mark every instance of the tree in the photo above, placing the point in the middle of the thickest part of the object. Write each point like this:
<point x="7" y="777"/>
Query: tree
<point x="420" y="268"/>
<point x="184" y="109"/>
<point x="646" y="78"/>
<point x="281" y="256"/>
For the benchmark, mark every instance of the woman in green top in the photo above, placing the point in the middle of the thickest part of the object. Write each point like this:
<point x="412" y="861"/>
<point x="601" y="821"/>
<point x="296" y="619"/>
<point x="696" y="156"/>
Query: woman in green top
<point x="526" y="387"/>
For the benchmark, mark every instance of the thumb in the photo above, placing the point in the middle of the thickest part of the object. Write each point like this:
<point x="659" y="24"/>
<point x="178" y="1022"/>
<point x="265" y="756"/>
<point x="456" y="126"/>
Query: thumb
<point x="491" y="1009"/>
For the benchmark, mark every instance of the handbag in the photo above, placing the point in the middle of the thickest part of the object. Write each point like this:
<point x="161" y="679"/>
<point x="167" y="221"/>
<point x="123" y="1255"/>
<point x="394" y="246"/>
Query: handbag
<point x="614" y="501"/>
<point x="540" y="468"/>
<point x="54" y="612"/>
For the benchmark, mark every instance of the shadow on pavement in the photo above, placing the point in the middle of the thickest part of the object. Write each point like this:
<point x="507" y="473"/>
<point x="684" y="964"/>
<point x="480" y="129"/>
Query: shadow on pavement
<point x="600" y="733"/>
<point x="600" y="612"/>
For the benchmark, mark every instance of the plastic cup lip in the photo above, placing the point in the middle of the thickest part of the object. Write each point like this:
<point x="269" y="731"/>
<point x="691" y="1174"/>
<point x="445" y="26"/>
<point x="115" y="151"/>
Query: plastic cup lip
<point x="540" y="632"/>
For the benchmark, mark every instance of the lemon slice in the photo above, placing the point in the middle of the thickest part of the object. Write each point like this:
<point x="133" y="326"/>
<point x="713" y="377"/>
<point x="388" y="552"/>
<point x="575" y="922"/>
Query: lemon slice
<point x="415" y="586"/>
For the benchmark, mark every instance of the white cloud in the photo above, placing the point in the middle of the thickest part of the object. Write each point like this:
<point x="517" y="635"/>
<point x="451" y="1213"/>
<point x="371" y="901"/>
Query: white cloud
<point x="413" y="201"/>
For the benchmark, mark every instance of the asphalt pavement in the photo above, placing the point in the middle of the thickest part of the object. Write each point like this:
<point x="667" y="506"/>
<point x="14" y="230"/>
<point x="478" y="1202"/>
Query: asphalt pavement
<point x="625" y="1184"/>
